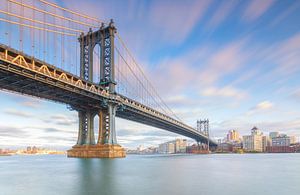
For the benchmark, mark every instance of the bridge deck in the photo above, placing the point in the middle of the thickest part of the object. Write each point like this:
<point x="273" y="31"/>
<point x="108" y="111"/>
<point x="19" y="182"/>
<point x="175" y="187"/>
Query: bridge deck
<point x="23" y="74"/>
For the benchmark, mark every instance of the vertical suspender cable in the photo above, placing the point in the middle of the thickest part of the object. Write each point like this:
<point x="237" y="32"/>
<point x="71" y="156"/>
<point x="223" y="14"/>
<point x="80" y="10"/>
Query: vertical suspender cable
<point x="31" y="35"/>
<point x="55" y="41"/>
<point x="21" y="29"/>
<point x="9" y="26"/>
<point x="44" y="34"/>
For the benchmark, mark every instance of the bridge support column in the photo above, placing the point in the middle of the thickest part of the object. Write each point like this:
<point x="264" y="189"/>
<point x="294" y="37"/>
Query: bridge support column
<point x="106" y="146"/>
<point x="107" y="141"/>
<point x="86" y="128"/>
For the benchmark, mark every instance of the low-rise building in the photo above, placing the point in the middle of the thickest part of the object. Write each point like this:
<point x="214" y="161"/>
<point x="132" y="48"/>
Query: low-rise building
<point x="282" y="140"/>
<point x="293" y="139"/>
<point x="180" y="145"/>
<point x="175" y="146"/>
<point x="266" y="141"/>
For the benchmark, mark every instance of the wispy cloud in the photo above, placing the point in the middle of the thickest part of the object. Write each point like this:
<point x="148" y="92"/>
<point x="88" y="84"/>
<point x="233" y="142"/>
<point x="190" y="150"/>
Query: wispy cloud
<point x="227" y="91"/>
<point x="199" y="68"/>
<point x="224" y="61"/>
<point x="8" y="131"/>
<point x="295" y="95"/>
<point x="260" y="107"/>
<point x="257" y="8"/>
<point x="61" y="119"/>
<point x="175" y="21"/>
<point x="18" y="113"/>
<point x="222" y="12"/>
<point x="34" y="103"/>
<point x="284" y="14"/>
<point x="265" y="105"/>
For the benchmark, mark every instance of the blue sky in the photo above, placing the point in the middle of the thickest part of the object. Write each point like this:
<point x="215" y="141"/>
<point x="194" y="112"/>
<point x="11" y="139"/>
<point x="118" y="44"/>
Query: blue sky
<point x="234" y="62"/>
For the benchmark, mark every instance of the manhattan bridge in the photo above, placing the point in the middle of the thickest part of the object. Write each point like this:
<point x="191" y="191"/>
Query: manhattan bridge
<point x="53" y="53"/>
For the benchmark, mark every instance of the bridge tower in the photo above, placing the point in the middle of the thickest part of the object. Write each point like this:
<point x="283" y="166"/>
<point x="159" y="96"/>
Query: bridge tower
<point x="203" y="127"/>
<point x="106" y="146"/>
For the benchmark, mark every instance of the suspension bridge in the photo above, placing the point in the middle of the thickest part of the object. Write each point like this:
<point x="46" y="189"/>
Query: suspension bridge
<point x="60" y="55"/>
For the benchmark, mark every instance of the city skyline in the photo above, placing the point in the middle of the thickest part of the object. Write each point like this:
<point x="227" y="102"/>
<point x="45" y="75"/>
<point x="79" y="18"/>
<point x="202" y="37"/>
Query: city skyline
<point x="237" y="68"/>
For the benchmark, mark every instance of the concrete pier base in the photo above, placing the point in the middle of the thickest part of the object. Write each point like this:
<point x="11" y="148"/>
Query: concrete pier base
<point x="97" y="151"/>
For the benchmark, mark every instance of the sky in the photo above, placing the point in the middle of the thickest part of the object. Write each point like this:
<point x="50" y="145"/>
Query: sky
<point x="233" y="62"/>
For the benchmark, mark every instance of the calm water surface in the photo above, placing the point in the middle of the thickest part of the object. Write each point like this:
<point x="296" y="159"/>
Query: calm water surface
<point x="252" y="174"/>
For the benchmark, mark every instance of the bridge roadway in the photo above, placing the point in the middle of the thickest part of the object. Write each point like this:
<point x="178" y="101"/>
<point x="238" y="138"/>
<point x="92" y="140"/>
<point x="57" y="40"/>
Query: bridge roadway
<point x="26" y="75"/>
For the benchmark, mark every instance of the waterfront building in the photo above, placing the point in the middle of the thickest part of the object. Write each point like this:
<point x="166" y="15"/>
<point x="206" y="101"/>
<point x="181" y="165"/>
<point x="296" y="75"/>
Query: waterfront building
<point x="233" y="136"/>
<point x="274" y="134"/>
<point x="293" y="139"/>
<point x="224" y="147"/>
<point x="266" y="141"/>
<point x="180" y="145"/>
<point x="253" y="142"/>
<point x="175" y="146"/>
<point x="171" y="148"/>
<point x="166" y="148"/>
<point x="162" y="148"/>
<point x="256" y="131"/>
<point x="282" y="140"/>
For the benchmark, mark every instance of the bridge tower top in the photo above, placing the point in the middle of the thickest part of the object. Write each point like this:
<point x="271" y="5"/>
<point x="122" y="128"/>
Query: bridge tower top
<point x="104" y="37"/>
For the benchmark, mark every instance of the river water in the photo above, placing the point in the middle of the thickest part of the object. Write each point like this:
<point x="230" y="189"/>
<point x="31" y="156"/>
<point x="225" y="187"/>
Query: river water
<point x="240" y="174"/>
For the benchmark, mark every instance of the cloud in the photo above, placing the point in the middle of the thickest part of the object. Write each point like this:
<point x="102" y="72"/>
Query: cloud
<point x="261" y="107"/>
<point x="59" y="131"/>
<point x="257" y="8"/>
<point x="227" y="91"/>
<point x="296" y="95"/>
<point x="288" y="55"/>
<point x="23" y="99"/>
<point x="22" y="136"/>
<point x="284" y="14"/>
<point x="224" y="61"/>
<point x="223" y="11"/>
<point x="199" y="67"/>
<point x="175" y="21"/>
<point x="34" y="103"/>
<point x="265" y="105"/>
<point x="282" y="58"/>
<point x="8" y="131"/>
<point x="62" y="140"/>
<point x="18" y="113"/>
<point x="60" y="119"/>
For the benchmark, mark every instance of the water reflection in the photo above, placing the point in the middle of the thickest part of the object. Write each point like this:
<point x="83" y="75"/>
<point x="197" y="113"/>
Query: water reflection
<point x="96" y="175"/>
